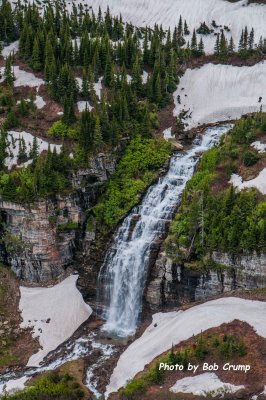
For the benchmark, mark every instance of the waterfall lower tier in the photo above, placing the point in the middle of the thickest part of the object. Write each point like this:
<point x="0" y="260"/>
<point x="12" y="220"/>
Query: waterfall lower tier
<point x="124" y="273"/>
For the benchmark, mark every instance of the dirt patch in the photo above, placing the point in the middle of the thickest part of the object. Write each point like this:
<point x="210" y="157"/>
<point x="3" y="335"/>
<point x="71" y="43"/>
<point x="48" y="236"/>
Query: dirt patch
<point x="17" y="344"/>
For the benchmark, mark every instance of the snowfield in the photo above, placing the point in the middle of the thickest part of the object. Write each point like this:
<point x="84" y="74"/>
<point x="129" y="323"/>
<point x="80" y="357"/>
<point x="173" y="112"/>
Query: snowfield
<point x="82" y="106"/>
<point x="54" y="313"/>
<point x="12" y="48"/>
<point x="171" y="328"/>
<point x="203" y="384"/>
<point x="13" y="385"/>
<point x="148" y="12"/>
<point x="13" y="146"/>
<point x="259" y="182"/>
<point x="23" y="78"/>
<point x="215" y="93"/>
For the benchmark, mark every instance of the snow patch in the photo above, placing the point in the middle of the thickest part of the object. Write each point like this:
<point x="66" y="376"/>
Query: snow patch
<point x="97" y="86"/>
<point x="13" y="139"/>
<point x="202" y="385"/>
<point x="236" y="15"/>
<point x="228" y="92"/>
<point x="169" y="329"/>
<point x="23" y="78"/>
<point x="167" y="133"/>
<point x="11" y="48"/>
<point x="13" y="385"/>
<point x="261" y="147"/>
<point x="82" y="106"/>
<point x="39" y="102"/>
<point x="54" y="313"/>
<point x="145" y="77"/>
<point x="259" y="182"/>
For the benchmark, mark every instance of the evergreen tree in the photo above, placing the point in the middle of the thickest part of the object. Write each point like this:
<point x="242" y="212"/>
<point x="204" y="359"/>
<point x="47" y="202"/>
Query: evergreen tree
<point x="97" y="136"/>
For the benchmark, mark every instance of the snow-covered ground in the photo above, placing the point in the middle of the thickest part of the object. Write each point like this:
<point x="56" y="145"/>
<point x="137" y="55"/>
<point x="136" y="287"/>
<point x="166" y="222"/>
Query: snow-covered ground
<point x="259" y="182"/>
<point x="23" y="78"/>
<point x="83" y="104"/>
<point x="39" y="102"/>
<point x="13" y="146"/>
<point x="12" y="48"/>
<point x="204" y="384"/>
<point x="97" y="86"/>
<point x="13" y="385"/>
<point x="167" y="133"/>
<point x="54" y="313"/>
<point x="261" y="147"/>
<point x="220" y="92"/>
<point x="171" y="328"/>
<point x="145" y="77"/>
<point x="148" y="12"/>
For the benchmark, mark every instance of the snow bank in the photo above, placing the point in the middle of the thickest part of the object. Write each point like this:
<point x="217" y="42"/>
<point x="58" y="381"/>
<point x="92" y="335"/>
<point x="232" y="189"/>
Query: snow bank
<point x="13" y="146"/>
<point x="13" y="385"/>
<point x="167" y="133"/>
<point x="174" y="327"/>
<point x="82" y="106"/>
<point x="39" y="102"/>
<point x="145" y="77"/>
<point x="259" y="182"/>
<point x="261" y="147"/>
<point x="220" y="92"/>
<point x="148" y="12"/>
<point x="12" y="48"/>
<point x="54" y="313"/>
<point x="23" y="78"/>
<point x="97" y="86"/>
<point x="203" y="384"/>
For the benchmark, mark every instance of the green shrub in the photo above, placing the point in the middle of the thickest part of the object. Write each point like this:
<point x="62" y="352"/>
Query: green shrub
<point x="250" y="158"/>
<point x="51" y="386"/>
<point x="134" y="173"/>
<point x="61" y="130"/>
<point x="67" y="227"/>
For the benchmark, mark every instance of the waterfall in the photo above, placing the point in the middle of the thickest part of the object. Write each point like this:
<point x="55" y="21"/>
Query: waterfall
<point x="124" y="272"/>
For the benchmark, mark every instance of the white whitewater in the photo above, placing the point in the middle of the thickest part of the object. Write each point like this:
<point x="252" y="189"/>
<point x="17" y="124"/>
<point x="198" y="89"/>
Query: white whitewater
<point x="125" y="269"/>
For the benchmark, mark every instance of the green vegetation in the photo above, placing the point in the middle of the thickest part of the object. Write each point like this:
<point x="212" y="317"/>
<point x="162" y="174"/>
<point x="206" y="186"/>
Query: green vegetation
<point x="67" y="227"/>
<point x="51" y="386"/>
<point x="61" y="130"/>
<point x="221" y="347"/>
<point x="134" y="173"/>
<point x="218" y="218"/>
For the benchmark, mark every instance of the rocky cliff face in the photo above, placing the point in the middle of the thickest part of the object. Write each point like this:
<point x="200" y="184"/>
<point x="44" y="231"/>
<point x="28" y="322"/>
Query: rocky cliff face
<point x="40" y="240"/>
<point x="172" y="285"/>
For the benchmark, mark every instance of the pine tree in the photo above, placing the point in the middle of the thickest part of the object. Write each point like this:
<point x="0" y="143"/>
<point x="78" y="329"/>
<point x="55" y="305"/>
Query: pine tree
<point x="136" y="76"/>
<point x="34" y="150"/>
<point x="201" y="48"/>
<point x="251" y="39"/>
<point x="231" y="46"/>
<point x="186" y="30"/>
<point x="85" y="84"/>
<point x="194" y="44"/>
<point x="97" y="136"/>
<point x="217" y="45"/>
<point x="223" y="49"/>
<point x="35" y="59"/>
<point x="9" y="77"/>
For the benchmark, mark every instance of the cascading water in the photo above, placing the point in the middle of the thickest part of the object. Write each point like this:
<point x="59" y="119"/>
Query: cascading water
<point x="124" y="272"/>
